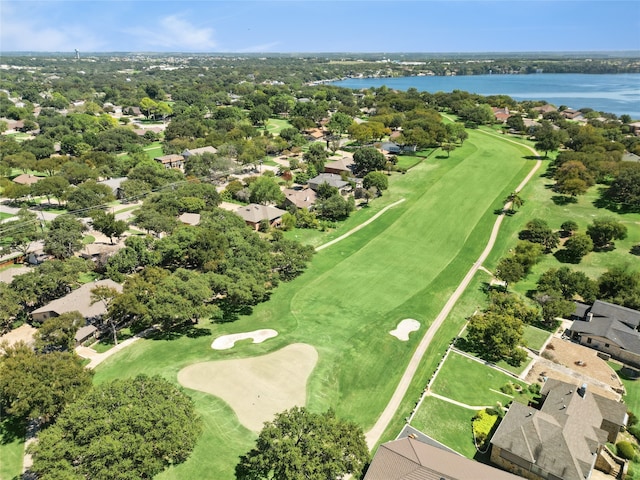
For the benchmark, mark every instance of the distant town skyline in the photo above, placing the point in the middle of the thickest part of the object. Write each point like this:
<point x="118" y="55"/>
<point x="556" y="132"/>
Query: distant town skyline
<point x="269" y="26"/>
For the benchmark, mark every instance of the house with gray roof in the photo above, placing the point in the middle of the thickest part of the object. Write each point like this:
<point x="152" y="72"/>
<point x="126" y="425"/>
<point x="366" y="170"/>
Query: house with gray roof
<point x="198" y="151"/>
<point x="78" y="300"/>
<point x="115" y="184"/>
<point x="344" y="164"/>
<point x="300" y="197"/>
<point x="611" y="329"/>
<point x="331" y="179"/>
<point x="411" y="459"/>
<point x="562" y="439"/>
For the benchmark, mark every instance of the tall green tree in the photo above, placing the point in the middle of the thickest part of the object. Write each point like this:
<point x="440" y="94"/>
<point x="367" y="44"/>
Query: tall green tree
<point x="265" y="190"/>
<point x="39" y="386"/>
<point x="64" y="237"/>
<point x="604" y="230"/>
<point x="58" y="333"/>
<point x="367" y="160"/>
<point x="496" y="336"/>
<point x="107" y="224"/>
<point x="122" y="430"/>
<point x="23" y="231"/>
<point x="300" y="445"/>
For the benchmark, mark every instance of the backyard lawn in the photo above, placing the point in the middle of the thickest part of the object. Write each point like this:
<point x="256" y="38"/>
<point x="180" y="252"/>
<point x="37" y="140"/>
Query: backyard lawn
<point x="12" y="442"/>
<point x="535" y="337"/>
<point x="469" y="381"/>
<point x="447" y="423"/>
<point x="404" y="265"/>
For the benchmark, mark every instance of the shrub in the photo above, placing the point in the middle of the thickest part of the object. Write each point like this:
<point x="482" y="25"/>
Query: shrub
<point x="483" y="423"/>
<point x="535" y="388"/>
<point x="508" y="389"/>
<point x="626" y="450"/>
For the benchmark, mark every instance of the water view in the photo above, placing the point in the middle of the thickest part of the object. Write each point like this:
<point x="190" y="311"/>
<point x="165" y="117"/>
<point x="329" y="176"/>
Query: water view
<point x="614" y="93"/>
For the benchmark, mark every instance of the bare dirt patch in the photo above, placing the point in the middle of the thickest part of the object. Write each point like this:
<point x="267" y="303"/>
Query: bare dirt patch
<point x="575" y="363"/>
<point x="256" y="388"/>
<point x="404" y="328"/>
<point x="228" y="341"/>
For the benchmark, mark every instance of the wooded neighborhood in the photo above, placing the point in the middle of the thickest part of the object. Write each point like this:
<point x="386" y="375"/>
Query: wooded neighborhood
<point x="153" y="205"/>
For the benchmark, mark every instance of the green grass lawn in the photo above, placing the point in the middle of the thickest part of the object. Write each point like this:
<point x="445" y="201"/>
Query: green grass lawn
<point x="5" y="215"/>
<point x="11" y="450"/>
<point x="276" y="124"/>
<point x="154" y="150"/>
<point x="471" y="382"/>
<point x="406" y="264"/>
<point x="447" y="423"/>
<point x="632" y="387"/>
<point x="535" y="337"/>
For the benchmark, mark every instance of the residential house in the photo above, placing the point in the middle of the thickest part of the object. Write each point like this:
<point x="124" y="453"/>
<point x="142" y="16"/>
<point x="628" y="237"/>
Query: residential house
<point x="635" y="128"/>
<point x="115" y="185"/>
<point x="542" y="109"/>
<point x="571" y="114"/>
<point x="314" y="134"/>
<point x="390" y="148"/>
<point x="630" y="157"/>
<point x="610" y="329"/>
<point x="198" y="151"/>
<point x="78" y="300"/>
<point x="86" y="333"/>
<point x="191" y="219"/>
<point x="331" y="179"/>
<point x="300" y="197"/>
<point x="26" y="179"/>
<point x="411" y="459"/>
<point x="501" y="114"/>
<point x="171" y="161"/>
<point x="564" y="438"/>
<point x="339" y="166"/>
<point x="254" y="213"/>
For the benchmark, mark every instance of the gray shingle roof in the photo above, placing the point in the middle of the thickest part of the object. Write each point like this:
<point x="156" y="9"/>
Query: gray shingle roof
<point x="331" y="179"/>
<point x="561" y="438"/>
<point x="614" y="323"/>
<point x="254" y="213"/>
<point x="80" y="300"/>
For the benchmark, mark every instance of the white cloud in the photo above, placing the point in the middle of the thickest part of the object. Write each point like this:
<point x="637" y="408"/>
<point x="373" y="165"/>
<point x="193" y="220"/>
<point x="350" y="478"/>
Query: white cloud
<point x="177" y="33"/>
<point x="21" y="30"/>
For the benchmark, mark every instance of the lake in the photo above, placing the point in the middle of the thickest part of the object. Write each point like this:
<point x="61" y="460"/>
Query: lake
<point x="613" y="93"/>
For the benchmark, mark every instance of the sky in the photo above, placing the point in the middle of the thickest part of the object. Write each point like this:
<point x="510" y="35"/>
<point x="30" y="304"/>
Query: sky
<point x="270" y="26"/>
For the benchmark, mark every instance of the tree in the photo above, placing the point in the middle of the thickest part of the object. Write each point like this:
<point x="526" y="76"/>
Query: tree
<point x="510" y="270"/>
<point x="58" y="333"/>
<point x="64" y="236"/>
<point x="537" y="231"/>
<point x="334" y="207"/>
<point x="567" y="284"/>
<point x="22" y="232"/>
<point x="577" y="247"/>
<point x="569" y="226"/>
<point x="9" y="307"/>
<point x="316" y="156"/>
<point x="516" y="123"/>
<point x="495" y="336"/>
<point x="300" y="445"/>
<point x="620" y="286"/>
<point x="106" y="295"/>
<point x="625" y="189"/>
<point x="377" y="180"/>
<point x="515" y="200"/>
<point x="39" y="386"/>
<point x="290" y="257"/>
<point x="547" y="139"/>
<point x="265" y="190"/>
<point x="260" y="114"/>
<point x="125" y="429"/>
<point x="88" y="195"/>
<point x="448" y="147"/>
<point x="107" y="224"/>
<point x="339" y="122"/>
<point x="54" y="186"/>
<point x="367" y="160"/>
<point x="148" y="106"/>
<point x="604" y="230"/>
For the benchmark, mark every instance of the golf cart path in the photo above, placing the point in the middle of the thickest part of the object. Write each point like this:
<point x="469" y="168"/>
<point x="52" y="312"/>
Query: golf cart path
<point x="373" y="435"/>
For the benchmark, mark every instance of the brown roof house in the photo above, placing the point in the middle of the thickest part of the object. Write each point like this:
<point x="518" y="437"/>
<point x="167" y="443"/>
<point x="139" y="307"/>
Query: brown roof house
<point x="26" y="179"/>
<point x="610" y="329"/>
<point x="254" y="213"/>
<point x="501" y="114"/>
<point x="191" y="219"/>
<point x="344" y="164"/>
<point x="78" y="300"/>
<point x="411" y="459"/>
<point x="171" y="161"/>
<point x="564" y="438"/>
<point x="300" y="198"/>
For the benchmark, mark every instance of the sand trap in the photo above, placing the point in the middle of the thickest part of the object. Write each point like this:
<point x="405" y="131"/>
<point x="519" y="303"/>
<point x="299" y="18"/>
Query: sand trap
<point x="259" y="387"/>
<point x="404" y="328"/>
<point x="228" y="341"/>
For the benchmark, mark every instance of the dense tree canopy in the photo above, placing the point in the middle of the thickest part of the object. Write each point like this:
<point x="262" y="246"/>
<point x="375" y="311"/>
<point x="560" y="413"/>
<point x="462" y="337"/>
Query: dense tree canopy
<point x="300" y="445"/>
<point x="496" y="336"/>
<point x="38" y="386"/>
<point x="122" y="430"/>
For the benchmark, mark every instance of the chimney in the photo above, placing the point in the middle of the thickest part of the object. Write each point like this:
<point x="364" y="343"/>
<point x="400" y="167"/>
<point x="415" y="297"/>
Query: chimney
<point x="589" y="316"/>
<point x="582" y="391"/>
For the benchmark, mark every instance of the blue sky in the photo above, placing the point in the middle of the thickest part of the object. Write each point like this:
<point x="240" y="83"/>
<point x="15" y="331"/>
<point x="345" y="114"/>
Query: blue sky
<point x="319" y="25"/>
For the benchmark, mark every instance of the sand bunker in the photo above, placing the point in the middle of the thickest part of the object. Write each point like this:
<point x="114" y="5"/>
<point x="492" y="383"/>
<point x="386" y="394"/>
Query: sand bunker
<point x="256" y="388"/>
<point x="404" y="328"/>
<point x="228" y="341"/>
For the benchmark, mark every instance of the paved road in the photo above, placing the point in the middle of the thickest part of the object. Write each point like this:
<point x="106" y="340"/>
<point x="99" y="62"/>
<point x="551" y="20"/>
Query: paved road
<point x="373" y="435"/>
